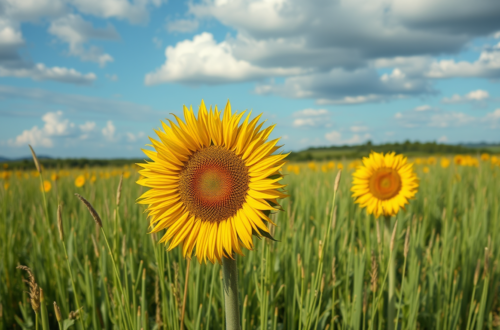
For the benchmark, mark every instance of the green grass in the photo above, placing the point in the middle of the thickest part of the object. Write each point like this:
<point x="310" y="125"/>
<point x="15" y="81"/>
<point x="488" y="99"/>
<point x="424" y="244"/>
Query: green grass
<point x="454" y="221"/>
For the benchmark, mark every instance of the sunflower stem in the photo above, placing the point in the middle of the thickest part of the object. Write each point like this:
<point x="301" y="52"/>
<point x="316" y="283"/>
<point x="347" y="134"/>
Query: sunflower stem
<point x="391" y="302"/>
<point x="230" y="271"/>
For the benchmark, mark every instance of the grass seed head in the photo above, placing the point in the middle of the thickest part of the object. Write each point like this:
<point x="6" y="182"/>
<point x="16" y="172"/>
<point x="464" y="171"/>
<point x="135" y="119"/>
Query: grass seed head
<point x="57" y="312"/>
<point x="91" y="209"/>
<point x="35" y="159"/>
<point x="337" y="181"/>
<point x="476" y="273"/>
<point x="73" y="315"/>
<point x="374" y="273"/>
<point x="119" y="191"/>
<point x="34" y="291"/>
<point x="59" y="222"/>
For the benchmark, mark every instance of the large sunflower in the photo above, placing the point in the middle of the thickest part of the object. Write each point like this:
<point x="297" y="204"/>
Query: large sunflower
<point x="384" y="183"/>
<point x="213" y="182"/>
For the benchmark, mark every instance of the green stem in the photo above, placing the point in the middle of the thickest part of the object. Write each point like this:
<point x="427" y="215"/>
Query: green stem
<point x="36" y="320"/>
<point x="46" y="209"/>
<point x="230" y="271"/>
<point x="401" y="295"/>
<point x="391" y="302"/>
<point x="73" y="285"/>
<point x="126" y="309"/>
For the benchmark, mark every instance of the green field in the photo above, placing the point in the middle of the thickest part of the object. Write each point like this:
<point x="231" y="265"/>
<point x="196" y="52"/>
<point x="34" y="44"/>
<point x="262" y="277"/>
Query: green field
<point x="447" y="274"/>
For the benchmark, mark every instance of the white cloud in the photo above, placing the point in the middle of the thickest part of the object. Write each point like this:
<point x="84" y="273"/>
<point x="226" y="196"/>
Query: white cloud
<point x="335" y="137"/>
<point x="41" y="72"/>
<point x="134" y="11"/>
<point x="112" y="77"/>
<point x="33" y="10"/>
<point x="86" y="129"/>
<point x="310" y="112"/>
<point x="54" y="126"/>
<point x="134" y="137"/>
<point x="10" y="37"/>
<point x="474" y="96"/>
<point x="424" y="107"/>
<point x="109" y="131"/>
<point x="443" y="139"/>
<point x="445" y="119"/>
<point x="358" y="129"/>
<point x="75" y="31"/>
<point x="158" y="42"/>
<point x="182" y="25"/>
<point x="203" y="60"/>
<point x="340" y="86"/>
<point x="311" y="118"/>
<point x="486" y="66"/>
<point x="493" y="119"/>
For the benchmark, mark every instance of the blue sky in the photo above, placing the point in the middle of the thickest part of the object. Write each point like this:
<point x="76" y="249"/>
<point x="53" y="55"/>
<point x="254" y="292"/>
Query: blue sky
<point x="92" y="78"/>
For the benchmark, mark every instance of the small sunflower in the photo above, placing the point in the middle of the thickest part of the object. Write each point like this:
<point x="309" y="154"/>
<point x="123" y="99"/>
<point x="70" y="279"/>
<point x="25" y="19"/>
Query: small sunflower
<point x="46" y="185"/>
<point x="213" y="182"/>
<point x="79" y="181"/>
<point x="384" y="183"/>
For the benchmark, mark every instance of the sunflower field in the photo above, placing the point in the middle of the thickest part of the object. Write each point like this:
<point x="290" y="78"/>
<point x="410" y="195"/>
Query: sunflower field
<point x="433" y="264"/>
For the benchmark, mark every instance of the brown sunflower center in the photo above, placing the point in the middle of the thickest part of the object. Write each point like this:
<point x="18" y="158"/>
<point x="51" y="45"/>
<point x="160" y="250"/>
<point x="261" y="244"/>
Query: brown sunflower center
<point x="385" y="183"/>
<point x="214" y="183"/>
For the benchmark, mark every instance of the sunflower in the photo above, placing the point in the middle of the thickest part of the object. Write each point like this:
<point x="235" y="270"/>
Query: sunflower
<point x="213" y="182"/>
<point x="46" y="185"/>
<point x="79" y="181"/>
<point x="384" y="183"/>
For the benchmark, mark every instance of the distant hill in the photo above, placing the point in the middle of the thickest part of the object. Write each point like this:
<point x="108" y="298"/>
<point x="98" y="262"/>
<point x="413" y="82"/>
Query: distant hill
<point x="20" y="159"/>
<point x="408" y="148"/>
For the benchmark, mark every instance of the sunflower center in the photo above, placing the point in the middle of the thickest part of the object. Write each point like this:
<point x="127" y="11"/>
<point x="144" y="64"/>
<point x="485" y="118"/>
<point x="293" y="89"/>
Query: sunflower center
<point x="385" y="183"/>
<point x="214" y="183"/>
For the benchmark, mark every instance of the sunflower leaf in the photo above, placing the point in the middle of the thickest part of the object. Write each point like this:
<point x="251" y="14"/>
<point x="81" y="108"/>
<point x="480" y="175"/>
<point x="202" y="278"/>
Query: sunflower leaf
<point x="267" y="235"/>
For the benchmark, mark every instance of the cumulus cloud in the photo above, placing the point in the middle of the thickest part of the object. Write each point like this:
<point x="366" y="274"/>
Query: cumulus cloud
<point x="444" y="119"/>
<point x="109" y="131"/>
<point x="86" y="129"/>
<point x="41" y="72"/>
<point x="133" y="11"/>
<point x="349" y="39"/>
<point x="54" y="126"/>
<point x="13" y="65"/>
<point x="310" y="112"/>
<point x="75" y="31"/>
<point x="486" y="66"/>
<point x="182" y="25"/>
<point x="204" y="61"/>
<point x="311" y="118"/>
<point x="112" y="77"/>
<point x="158" y="42"/>
<point x="335" y="137"/>
<point x="473" y="96"/>
<point x="340" y="86"/>
<point x="131" y="137"/>
<point x="443" y="139"/>
<point x="33" y="10"/>
<point x="358" y="129"/>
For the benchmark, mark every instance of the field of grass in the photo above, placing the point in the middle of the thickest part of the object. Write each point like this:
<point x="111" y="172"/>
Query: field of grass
<point x="446" y="245"/>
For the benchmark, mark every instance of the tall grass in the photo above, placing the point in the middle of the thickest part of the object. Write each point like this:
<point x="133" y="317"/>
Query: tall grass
<point x="447" y="273"/>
